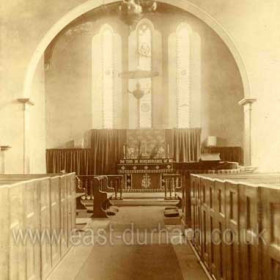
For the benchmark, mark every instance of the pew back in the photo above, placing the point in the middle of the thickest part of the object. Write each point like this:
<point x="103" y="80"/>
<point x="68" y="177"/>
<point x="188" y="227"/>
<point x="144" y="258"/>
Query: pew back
<point x="32" y="219"/>
<point x="230" y="213"/>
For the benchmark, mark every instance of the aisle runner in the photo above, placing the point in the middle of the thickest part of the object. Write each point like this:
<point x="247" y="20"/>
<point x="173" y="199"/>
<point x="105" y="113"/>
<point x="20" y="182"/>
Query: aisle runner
<point x="131" y="262"/>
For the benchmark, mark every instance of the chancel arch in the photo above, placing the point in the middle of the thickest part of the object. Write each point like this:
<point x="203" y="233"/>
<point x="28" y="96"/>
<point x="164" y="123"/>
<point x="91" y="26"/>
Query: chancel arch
<point x="120" y="119"/>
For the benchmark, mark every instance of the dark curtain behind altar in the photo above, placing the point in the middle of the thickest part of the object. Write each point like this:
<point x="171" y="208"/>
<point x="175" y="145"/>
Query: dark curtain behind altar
<point x="185" y="144"/>
<point x="107" y="150"/>
<point x="69" y="160"/>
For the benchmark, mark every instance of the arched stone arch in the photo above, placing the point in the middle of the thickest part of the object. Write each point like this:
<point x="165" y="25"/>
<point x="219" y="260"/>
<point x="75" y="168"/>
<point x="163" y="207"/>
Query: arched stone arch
<point x="92" y="4"/>
<point x="185" y="5"/>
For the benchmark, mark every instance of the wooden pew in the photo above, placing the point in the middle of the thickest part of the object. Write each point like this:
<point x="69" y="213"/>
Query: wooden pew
<point x="271" y="224"/>
<point x="102" y="193"/>
<point x="186" y="169"/>
<point x="114" y="181"/>
<point x="99" y="191"/>
<point x="239" y="207"/>
<point x="33" y="203"/>
<point x="100" y="196"/>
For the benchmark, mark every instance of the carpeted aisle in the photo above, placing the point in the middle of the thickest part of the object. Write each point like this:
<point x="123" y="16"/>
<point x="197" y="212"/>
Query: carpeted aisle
<point x="131" y="262"/>
<point x="126" y="262"/>
<point x="140" y="249"/>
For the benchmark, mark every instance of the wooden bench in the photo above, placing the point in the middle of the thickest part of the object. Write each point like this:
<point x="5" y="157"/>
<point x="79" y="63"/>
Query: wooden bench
<point x="238" y="208"/>
<point x="41" y="204"/>
<point x="99" y="191"/>
<point x="186" y="169"/>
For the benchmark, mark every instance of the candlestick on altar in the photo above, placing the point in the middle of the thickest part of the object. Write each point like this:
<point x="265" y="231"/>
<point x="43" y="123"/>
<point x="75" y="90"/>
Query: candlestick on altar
<point x="168" y="151"/>
<point x="124" y="151"/>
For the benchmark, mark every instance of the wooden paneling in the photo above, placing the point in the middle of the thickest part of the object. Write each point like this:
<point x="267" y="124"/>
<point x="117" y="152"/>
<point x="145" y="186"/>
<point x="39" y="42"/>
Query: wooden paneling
<point x="4" y="236"/>
<point x="232" y="234"/>
<point x="209" y="225"/>
<point x="55" y="219"/>
<point x="33" y="208"/>
<point x="45" y="221"/>
<point x="17" y="260"/>
<point x="187" y="169"/>
<point x="249" y="228"/>
<point x="271" y="226"/>
<point x="63" y="216"/>
<point x="219" y="229"/>
<point x="231" y="154"/>
<point x="236" y="220"/>
<point x="32" y="223"/>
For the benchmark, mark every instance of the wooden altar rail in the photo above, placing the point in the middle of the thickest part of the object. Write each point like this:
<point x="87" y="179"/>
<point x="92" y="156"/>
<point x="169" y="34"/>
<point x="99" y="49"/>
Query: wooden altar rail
<point x="172" y="186"/>
<point x="115" y="182"/>
<point x="229" y="214"/>
<point x="36" y="206"/>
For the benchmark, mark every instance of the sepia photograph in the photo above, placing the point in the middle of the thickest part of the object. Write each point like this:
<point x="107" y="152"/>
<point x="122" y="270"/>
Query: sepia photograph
<point x="139" y="140"/>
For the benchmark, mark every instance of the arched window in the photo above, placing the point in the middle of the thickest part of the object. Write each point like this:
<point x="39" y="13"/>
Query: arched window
<point x="106" y="65"/>
<point x="141" y="42"/>
<point x="183" y="76"/>
<point x="184" y="72"/>
<point x="107" y="77"/>
<point x="144" y="33"/>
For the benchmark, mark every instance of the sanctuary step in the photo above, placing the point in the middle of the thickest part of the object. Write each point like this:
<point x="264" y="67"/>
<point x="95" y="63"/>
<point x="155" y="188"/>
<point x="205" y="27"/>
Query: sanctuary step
<point x="144" y="199"/>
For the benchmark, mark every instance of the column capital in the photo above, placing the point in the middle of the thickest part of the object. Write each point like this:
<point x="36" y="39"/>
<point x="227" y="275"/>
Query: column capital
<point x="246" y="101"/>
<point x="4" y="148"/>
<point x="25" y="101"/>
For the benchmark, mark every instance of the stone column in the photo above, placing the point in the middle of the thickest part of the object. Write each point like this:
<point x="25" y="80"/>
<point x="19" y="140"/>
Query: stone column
<point x="25" y="128"/>
<point x="3" y="150"/>
<point x="247" y="106"/>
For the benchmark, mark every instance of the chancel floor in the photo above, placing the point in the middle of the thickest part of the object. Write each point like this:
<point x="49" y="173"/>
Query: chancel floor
<point x="137" y="243"/>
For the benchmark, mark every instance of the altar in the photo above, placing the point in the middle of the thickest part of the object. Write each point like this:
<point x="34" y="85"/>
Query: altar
<point x="144" y="175"/>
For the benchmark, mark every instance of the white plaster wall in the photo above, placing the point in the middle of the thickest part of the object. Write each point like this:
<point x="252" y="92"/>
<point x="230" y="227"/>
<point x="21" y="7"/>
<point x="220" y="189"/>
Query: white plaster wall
<point x="37" y="125"/>
<point x="254" y="26"/>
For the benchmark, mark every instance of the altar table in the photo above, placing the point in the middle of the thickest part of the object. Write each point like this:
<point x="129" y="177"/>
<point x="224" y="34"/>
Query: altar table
<point x="144" y="175"/>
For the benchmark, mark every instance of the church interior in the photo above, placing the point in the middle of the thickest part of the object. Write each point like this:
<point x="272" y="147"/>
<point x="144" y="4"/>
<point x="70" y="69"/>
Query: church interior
<point x="138" y="140"/>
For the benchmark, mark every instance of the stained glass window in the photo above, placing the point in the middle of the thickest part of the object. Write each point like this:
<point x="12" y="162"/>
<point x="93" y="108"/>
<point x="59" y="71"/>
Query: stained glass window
<point x="144" y="33"/>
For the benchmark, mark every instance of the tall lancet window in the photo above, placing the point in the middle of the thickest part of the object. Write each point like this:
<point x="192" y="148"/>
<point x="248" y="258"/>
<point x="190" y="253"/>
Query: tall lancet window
<point x="145" y="63"/>
<point x="183" y="76"/>
<point x="141" y="45"/>
<point x="108" y="77"/>
<point x="106" y="88"/>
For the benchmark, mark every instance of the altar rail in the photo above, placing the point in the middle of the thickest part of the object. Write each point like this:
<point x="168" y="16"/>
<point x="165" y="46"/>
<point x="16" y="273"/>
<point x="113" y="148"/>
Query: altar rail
<point x="35" y="207"/>
<point x="236" y="221"/>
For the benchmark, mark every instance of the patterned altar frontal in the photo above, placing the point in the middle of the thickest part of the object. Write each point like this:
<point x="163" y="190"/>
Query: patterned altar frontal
<point x="146" y="142"/>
